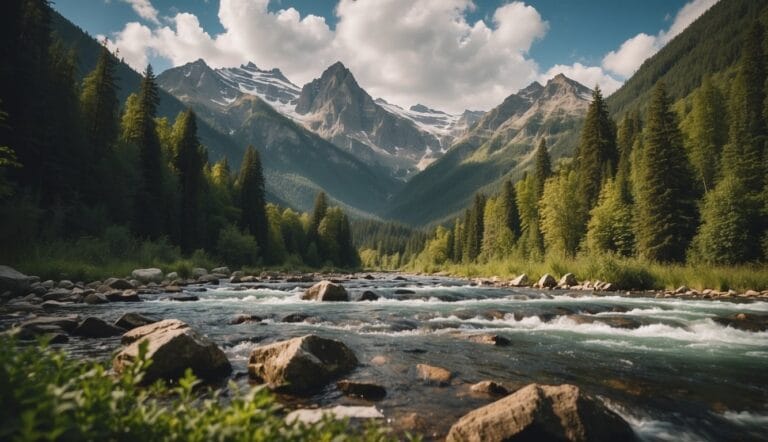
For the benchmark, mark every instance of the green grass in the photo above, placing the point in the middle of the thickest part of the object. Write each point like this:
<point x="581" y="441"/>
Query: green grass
<point x="46" y="396"/>
<point x="624" y="273"/>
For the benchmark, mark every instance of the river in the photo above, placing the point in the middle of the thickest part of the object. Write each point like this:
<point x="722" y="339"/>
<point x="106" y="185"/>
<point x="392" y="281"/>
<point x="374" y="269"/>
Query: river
<point x="665" y="365"/>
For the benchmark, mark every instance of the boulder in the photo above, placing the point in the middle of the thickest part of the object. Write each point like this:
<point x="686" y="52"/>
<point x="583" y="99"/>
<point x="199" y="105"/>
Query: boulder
<point x="92" y="327"/>
<point x="750" y="322"/>
<point x="66" y="323"/>
<point x="546" y="281"/>
<point x="434" y="375"/>
<point x="118" y="284"/>
<point x="65" y="284"/>
<point x="132" y="320"/>
<point x="146" y="276"/>
<point x="520" y="281"/>
<point x="126" y="296"/>
<point x="326" y="291"/>
<point x="96" y="298"/>
<point x="199" y="272"/>
<point x="13" y="281"/>
<point x="363" y="390"/>
<point x="340" y="412"/>
<point x="489" y="339"/>
<point x="56" y="295"/>
<point x="369" y="296"/>
<point x="542" y="412"/>
<point x="490" y="388"/>
<point x="184" y="298"/>
<point x="173" y="347"/>
<point x="221" y="271"/>
<point x="301" y="364"/>
<point x="569" y="279"/>
<point x="295" y="317"/>
<point x="404" y="292"/>
<point x="241" y="319"/>
<point x="173" y="276"/>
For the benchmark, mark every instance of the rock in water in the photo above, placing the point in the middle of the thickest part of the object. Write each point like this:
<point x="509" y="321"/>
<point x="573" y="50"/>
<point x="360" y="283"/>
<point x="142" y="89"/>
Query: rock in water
<point x="434" y="375"/>
<point x="148" y="275"/>
<point x="542" y="413"/>
<point x="326" y="291"/>
<point x="13" y="281"/>
<point x="339" y="412"/>
<point x="489" y="387"/>
<point x="364" y="390"/>
<point x="546" y="281"/>
<point x="520" y="281"/>
<point x="97" y="328"/>
<point x="173" y="347"/>
<point x="301" y="364"/>
<point x="569" y="279"/>
<point x="131" y="320"/>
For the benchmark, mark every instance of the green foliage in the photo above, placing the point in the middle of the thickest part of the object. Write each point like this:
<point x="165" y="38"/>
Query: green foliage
<point x="237" y="247"/>
<point x="666" y="208"/>
<point x="561" y="214"/>
<point x="531" y="243"/>
<point x="473" y="232"/>
<point x="611" y="223"/>
<point x="498" y="239"/>
<point x="188" y="161"/>
<point x="542" y="168"/>
<point x="47" y="396"/>
<point x="597" y="155"/>
<point x="708" y="133"/>
<point x="252" y="200"/>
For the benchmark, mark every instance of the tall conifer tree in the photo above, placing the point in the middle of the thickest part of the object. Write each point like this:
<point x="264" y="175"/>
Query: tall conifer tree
<point x="188" y="163"/>
<point x="252" y="201"/>
<point x="597" y="155"/>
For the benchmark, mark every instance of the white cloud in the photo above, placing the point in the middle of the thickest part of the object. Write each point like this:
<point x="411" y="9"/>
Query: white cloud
<point x="633" y="52"/>
<point x="145" y="10"/>
<point x="586" y="75"/>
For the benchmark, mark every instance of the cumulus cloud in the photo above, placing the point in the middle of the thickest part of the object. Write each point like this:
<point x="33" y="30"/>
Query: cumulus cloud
<point x="145" y="10"/>
<point x="586" y="75"/>
<point x="628" y="58"/>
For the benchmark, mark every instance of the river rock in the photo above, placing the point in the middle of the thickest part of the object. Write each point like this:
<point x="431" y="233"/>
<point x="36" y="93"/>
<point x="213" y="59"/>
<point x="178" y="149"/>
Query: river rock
<point x="146" y="276"/>
<point x="96" y="298"/>
<point x="13" y="281"/>
<point x="126" y="296"/>
<point x="364" y="390"/>
<point x="404" y="292"/>
<point x="489" y="387"/>
<point x="569" y="279"/>
<point x="118" y="284"/>
<point x="434" y="375"/>
<point x="745" y="321"/>
<point x="183" y="298"/>
<point x="65" y="284"/>
<point x="199" y="272"/>
<point x="489" y="339"/>
<point x="520" y="281"/>
<point x="542" y="413"/>
<point x="56" y="295"/>
<point x="295" y="317"/>
<point x="326" y="291"/>
<point x="173" y="347"/>
<point x="369" y="296"/>
<point x="546" y="281"/>
<point x="132" y="320"/>
<point x="92" y="327"/>
<point x="66" y="323"/>
<point x="222" y="271"/>
<point x="340" y="412"/>
<point x="243" y="318"/>
<point x="611" y="321"/>
<point x="301" y="364"/>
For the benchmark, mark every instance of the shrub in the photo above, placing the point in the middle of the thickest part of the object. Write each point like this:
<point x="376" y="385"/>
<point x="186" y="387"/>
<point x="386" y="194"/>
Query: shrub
<point x="46" y="396"/>
<point x="237" y="248"/>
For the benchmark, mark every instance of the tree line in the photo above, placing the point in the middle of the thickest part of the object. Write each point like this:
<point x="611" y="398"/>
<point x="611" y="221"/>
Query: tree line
<point x="684" y="182"/>
<point x="74" y="163"/>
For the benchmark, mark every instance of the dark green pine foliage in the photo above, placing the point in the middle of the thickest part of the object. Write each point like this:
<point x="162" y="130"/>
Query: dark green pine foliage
<point x="628" y="133"/>
<point x="252" y="202"/>
<point x="318" y="213"/>
<point x="474" y="229"/>
<point x="458" y="240"/>
<point x="508" y="200"/>
<point x="148" y="205"/>
<point x="100" y="105"/>
<point x="597" y="154"/>
<point x="743" y="156"/>
<point x="188" y="163"/>
<point x="542" y="168"/>
<point x="666" y="206"/>
<point x="709" y="133"/>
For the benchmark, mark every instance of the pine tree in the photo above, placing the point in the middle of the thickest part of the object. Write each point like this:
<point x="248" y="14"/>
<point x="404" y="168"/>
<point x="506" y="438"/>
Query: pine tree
<point x="611" y="222"/>
<point x="100" y="106"/>
<point x="597" y="154"/>
<point x="318" y="213"/>
<point x="530" y="243"/>
<point x="709" y="133"/>
<point x="188" y="163"/>
<point x="474" y="231"/>
<point x="139" y="129"/>
<point x="458" y="241"/>
<point x="542" y="169"/>
<point x="252" y="201"/>
<point x="561" y="230"/>
<point x="508" y="204"/>
<point x="497" y="236"/>
<point x="666" y="208"/>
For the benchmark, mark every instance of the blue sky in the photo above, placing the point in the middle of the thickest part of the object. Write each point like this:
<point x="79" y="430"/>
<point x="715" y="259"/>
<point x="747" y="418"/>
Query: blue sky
<point x="573" y="36"/>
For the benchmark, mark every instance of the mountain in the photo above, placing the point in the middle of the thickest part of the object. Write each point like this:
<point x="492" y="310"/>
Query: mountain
<point x="711" y="44"/>
<point x="297" y="162"/>
<point x="498" y="146"/>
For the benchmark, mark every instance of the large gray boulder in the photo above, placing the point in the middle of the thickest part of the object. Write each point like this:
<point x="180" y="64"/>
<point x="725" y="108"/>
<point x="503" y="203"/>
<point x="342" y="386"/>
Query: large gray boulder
<point x="92" y="327"/>
<point x="173" y="347"/>
<point x="146" y="276"/>
<point x="326" y="291"/>
<point x="300" y="364"/>
<point x="542" y="413"/>
<point x="13" y="281"/>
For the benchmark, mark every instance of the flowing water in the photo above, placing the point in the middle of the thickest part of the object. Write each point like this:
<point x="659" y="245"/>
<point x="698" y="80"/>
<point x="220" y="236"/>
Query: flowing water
<point x="664" y="364"/>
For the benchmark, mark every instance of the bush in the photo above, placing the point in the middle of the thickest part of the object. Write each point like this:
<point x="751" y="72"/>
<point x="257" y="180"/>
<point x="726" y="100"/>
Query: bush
<point x="46" y="396"/>
<point x="237" y="248"/>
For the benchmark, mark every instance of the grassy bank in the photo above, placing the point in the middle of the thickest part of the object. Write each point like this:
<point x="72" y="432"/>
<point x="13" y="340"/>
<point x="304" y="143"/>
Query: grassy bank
<point x="46" y="396"/>
<point x="626" y="273"/>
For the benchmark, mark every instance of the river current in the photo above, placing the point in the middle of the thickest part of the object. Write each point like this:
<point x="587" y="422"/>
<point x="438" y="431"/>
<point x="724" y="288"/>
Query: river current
<point x="666" y="365"/>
